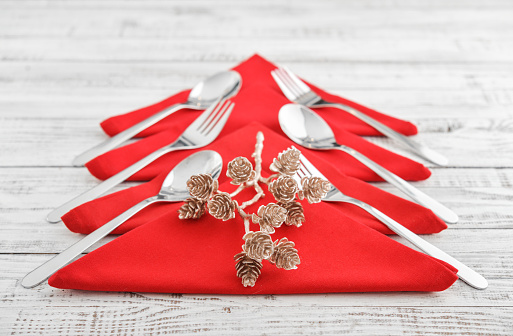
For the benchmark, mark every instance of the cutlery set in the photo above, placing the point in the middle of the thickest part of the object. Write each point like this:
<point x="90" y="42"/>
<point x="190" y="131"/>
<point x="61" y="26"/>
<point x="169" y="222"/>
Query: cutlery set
<point x="298" y="122"/>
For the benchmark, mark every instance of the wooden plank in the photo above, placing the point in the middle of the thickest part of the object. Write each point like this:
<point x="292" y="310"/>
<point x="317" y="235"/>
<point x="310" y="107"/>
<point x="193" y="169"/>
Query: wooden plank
<point x="325" y="19"/>
<point x="211" y="50"/>
<point x="233" y="320"/>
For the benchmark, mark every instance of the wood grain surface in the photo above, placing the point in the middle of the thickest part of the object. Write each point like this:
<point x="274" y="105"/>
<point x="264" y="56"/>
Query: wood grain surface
<point x="445" y="65"/>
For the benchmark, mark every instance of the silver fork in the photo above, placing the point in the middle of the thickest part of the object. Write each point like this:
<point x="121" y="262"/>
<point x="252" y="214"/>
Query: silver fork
<point x="200" y="133"/>
<point x="295" y="90"/>
<point x="465" y="273"/>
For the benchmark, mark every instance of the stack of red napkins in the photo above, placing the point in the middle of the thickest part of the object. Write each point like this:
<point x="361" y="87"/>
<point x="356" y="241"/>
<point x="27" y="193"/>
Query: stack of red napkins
<point x="342" y="248"/>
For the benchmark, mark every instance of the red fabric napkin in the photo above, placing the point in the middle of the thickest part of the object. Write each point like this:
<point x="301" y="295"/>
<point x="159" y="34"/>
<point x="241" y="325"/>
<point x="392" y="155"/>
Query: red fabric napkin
<point x="257" y="70"/>
<point x="255" y="104"/>
<point x="89" y="216"/>
<point x="337" y="254"/>
<point x="259" y="100"/>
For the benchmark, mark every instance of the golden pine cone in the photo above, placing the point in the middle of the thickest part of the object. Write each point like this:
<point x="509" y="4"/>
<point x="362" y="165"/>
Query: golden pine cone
<point x="191" y="209"/>
<point x="248" y="269"/>
<point x="221" y="206"/>
<point x="314" y="189"/>
<point x="295" y="215"/>
<point x="202" y="186"/>
<point x="258" y="245"/>
<point x="287" y="162"/>
<point x="284" y="188"/>
<point x="285" y="255"/>
<point x="270" y="216"/>
<point x="240" y="170"/>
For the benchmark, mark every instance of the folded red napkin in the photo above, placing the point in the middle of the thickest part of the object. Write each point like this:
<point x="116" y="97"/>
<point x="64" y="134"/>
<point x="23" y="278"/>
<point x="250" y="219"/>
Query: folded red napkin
<point x="337" y="254"/>
<point x="261" y="104"/>
<point x="257" y="70"/>
<point x="89" y="216"/>
<point x="259" y="100"/>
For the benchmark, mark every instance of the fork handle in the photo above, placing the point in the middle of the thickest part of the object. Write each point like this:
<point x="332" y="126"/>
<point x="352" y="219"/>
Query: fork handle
<point x="103" y="187"/>
<point x="439" y="209"/>
<point x="44" y="271"/>
<point x="129" y="133"/>
<point x="465" y="273"/>
<point x="420" y="149"/>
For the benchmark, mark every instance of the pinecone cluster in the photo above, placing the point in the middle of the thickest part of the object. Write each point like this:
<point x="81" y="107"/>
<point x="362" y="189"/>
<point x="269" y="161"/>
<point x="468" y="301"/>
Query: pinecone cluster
<point x="258" y="245"/>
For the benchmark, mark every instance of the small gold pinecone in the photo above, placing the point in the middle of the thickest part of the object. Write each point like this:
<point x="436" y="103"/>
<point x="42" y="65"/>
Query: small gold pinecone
<point x="295" y="215"/>
<point x="191" y="209"/>
<point x="240" y="170"/>
<point x="247" y="269"/>
<point x="270" y="216"/>
<point x="314" y="189"/>
<point x="202" y="186"/>
<point x="258" y="245"/>
<point x="285" y="255"/>
<point x="284" y="188"/>
<point x="287" y="162"/>
<point x="221" y="206"/>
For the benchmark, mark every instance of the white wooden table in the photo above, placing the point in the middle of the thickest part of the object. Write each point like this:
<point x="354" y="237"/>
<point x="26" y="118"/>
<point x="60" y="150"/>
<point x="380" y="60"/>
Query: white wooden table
<point x="445" y="65"/>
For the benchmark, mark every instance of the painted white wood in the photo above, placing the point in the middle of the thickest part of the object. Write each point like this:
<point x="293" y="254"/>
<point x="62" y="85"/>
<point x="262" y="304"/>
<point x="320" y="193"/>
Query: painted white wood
<point x="445" y="65"/>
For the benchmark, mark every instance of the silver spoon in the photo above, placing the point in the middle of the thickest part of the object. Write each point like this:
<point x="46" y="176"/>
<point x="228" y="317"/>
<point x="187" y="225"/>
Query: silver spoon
<point x="309" y="130"/>
<point x="174" y="189"/>
<point x="223" y="84"/>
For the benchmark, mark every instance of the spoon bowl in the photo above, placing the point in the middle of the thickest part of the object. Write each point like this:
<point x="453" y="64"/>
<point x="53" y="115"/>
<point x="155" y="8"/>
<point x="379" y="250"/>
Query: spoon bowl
<point x="173" y="189"/>
<point x="203" y="162"/>
<point x="308" y="129"/>
<point x="305" y="127"/>
<point x="223" y="84"/>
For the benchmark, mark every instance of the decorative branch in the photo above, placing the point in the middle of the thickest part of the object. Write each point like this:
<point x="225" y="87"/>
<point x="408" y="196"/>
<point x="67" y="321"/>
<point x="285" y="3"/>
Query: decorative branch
<point x="258" y="245"/>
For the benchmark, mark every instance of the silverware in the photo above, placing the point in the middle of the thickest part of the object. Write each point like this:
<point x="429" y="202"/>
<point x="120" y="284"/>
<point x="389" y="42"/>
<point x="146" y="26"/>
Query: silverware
<point x="221" y="85"/>
<point x="200" y="133"/>
<point x="297" y="91"/>
<point x="173" y="189"/>
<point x="465" y="273"/>
<point x="309" y="130"/>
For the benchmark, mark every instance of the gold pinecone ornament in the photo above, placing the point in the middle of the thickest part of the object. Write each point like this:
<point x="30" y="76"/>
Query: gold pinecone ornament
<point x="258" y="245"/>
<point x="284" y="188"/>
<point x="287" y="162"/>
<point x="295" y="215"/>
<point x="314" y="189"/>
<point x="240" y="170"/>
<point x="285" y="255"/>
<point x="270" y="216"/>
<point x="202" y="186"/>
<point x="221" y="206"/>
<point x="191" y="209"/>
<point x="248" y="269"/>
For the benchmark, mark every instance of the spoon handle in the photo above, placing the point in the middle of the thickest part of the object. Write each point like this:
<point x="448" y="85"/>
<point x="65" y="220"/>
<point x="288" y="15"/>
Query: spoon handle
<point x="418" y="148"/>
<point x="439" y="209"/>
<point x="103" y="187"/>
<point x="44" y="271"/>
<point x="129" y="133"/>
<point x="465" y="273"/>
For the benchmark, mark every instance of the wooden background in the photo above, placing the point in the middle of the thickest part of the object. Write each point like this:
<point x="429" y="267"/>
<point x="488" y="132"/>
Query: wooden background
<point x="445" y="65"/>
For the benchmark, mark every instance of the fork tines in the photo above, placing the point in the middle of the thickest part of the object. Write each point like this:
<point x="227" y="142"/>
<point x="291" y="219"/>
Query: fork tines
<point x="293" y="87"/>
<point x="221" y="109"/>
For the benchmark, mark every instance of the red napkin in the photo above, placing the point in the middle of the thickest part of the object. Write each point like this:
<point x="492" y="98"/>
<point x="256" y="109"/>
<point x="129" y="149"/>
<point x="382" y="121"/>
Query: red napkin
<point x="257" y="70"/>
<point x="261" y="104"/>
<point x="259" y="100"/>
<point x="337" y="254"/>
<point x="89" y="216"/>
